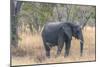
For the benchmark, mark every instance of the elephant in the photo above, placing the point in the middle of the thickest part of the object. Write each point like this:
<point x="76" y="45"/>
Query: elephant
<point x="60" y="34"/>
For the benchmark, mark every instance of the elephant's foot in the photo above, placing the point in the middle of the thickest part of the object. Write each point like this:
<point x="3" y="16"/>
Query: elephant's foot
<point x="66" y="55"/>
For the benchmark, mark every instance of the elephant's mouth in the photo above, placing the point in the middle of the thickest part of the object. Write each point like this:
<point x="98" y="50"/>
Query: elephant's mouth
<point x="76" y="37"/>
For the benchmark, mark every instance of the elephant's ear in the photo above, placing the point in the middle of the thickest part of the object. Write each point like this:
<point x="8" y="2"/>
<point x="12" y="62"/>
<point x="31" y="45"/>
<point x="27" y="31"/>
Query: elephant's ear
<point x="68" y="31"/>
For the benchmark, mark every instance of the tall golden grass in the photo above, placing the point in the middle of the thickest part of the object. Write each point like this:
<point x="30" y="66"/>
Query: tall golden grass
<point x="31" y="50"/>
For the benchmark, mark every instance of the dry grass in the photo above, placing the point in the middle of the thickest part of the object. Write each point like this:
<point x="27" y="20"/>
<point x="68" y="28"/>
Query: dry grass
<point x="31" y="50"/>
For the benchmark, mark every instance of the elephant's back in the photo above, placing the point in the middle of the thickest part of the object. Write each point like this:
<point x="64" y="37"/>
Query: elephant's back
<point x="50" y="32"/>
<point x="52" y="26"/>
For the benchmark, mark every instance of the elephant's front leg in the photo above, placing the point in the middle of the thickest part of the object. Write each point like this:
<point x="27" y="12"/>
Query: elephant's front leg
<point x="67" y="47"/>
<point x="60" y="45"/>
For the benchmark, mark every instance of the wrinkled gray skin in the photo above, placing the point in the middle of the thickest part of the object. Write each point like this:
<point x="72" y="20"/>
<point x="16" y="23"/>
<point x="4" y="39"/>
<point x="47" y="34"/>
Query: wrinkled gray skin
<point x="58" y="33"/>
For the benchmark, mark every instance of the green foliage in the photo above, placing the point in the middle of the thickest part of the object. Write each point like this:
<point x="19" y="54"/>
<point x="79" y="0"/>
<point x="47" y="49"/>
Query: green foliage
<point x="35" y="15"/>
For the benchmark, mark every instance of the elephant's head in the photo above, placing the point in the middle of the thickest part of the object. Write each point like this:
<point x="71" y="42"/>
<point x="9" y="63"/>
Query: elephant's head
<point x="75" y="31"/>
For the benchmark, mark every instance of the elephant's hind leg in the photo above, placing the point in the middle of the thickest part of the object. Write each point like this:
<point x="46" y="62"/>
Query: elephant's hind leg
<point x="60" y="45"/>
<point x="47" y="49"/>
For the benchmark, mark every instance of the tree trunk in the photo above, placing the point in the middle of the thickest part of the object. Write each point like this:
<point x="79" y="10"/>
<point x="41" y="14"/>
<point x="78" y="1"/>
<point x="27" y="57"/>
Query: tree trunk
<point x="15" y="8"/>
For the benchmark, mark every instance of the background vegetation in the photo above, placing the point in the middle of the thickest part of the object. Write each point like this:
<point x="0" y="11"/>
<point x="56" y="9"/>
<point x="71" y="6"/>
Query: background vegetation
<point x="35" y="15"/>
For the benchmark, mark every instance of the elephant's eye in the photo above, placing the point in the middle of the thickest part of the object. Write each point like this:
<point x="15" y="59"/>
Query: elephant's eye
<point x="77" y="32"/>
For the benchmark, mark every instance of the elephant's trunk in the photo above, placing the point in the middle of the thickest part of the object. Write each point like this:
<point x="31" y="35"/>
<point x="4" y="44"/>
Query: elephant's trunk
<point x="81" y="45"/>
<point x="81" y="48"/>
